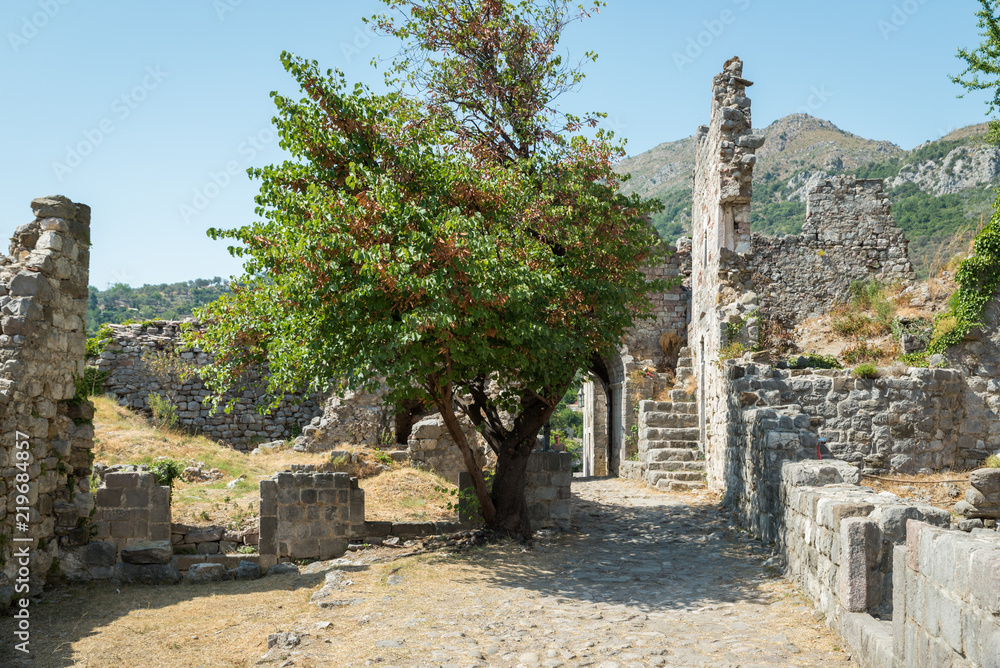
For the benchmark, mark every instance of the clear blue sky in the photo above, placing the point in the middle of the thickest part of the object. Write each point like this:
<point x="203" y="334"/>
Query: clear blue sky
<point x="163" y="95"/>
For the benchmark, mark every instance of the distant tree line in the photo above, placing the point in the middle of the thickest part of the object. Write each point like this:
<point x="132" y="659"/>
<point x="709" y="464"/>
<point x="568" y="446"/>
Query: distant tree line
<point x="166" y="301"/>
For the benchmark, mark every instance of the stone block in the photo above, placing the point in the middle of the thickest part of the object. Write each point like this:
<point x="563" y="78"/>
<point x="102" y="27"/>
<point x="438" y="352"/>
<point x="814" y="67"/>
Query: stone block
<point x="147" y="574"/>
<point x="201" y="573"/>
<point x="268" y="491"/>
<point x="913" y="530"/>
<point x="985" y="580"/>
<point x="121" y="480"/>
<point x="148" y="552"/>
<point x="860" y="544"/>
<point x="412" y="529"/>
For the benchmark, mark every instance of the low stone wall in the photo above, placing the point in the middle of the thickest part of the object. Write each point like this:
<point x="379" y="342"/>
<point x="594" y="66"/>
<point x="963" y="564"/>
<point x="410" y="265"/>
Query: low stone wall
<point x="309" y="515"/>
<point x="126" y="358"/>
<point x="547" y="490"/>
<point x="947" y="598"/>
<point x="131" y="508"/>
<point x="918" y="420"/>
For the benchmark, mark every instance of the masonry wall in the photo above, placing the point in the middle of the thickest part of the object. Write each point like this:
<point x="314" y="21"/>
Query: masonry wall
<point x="127" y="359"/>
<point x="947" y="598"/>
<point x="849" y="235"/>
<point x="669" y="311"/>
<point x="547" y="490"/>
<point x="131" y="508"/>
<point x="724" y="306"/>
<point x="45" y="454"/>
<point x="309" y="515"/>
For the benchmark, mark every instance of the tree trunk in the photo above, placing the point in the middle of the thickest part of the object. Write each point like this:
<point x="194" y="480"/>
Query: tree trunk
<point x="457" y="435"/>
<point x="508" y="493"/>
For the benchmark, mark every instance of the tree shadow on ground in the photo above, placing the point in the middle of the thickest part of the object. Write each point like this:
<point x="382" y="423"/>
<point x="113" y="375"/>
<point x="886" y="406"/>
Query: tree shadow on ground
<point x="670" y="556"/>
<point x="69" y="613"/>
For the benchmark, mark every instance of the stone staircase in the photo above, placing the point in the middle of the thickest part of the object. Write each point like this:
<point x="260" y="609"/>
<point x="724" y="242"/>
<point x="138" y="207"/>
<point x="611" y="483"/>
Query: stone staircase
<point x="669" y="436"/>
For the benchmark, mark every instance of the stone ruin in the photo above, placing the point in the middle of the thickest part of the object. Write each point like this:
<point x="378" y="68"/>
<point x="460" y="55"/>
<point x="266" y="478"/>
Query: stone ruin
<point x="894" y="578"/>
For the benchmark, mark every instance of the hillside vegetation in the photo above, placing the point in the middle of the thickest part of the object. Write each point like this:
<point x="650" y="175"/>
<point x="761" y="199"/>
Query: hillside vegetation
<point x="173" y="301"/>
<point x="940" y="190"/>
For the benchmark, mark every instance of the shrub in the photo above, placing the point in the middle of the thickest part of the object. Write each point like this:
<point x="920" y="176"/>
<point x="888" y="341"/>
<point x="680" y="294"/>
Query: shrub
<point x="166" y="471"/>
<point x="164" y="412"/>
<point x="863" y="352"/>
<point x="992" y="462"/>
<point x="865" y="371"/>
<point x="859" y="325"/>
<point x="733" y="351"/>
<point x="814" y="361"/>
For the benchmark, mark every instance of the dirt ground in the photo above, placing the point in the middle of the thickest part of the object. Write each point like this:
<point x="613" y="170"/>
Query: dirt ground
<point x="644" y="579"/>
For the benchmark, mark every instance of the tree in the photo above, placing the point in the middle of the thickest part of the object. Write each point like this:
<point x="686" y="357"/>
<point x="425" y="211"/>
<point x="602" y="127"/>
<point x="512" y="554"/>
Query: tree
<point x="448" y="238"/>
<point x="982" y="70"/>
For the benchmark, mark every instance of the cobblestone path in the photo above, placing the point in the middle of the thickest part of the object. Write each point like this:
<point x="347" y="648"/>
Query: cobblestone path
<point x="648" y="579"/>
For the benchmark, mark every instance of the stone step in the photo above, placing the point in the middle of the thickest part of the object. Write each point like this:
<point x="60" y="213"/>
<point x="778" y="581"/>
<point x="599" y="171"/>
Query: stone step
<point x="670" y="445"/>
<point x="671" y="420"/>
<point x="675" y="466"/>
<point x="687" y="362"/>
<point x="681" y="396"/>
<point x="654" y="477"/>
<point x="684" y="352"/>
<point x="670" y="434"/>
<point x="667" y="407"/>
<point x="678" y="486"/>
<point x="673" y="455"/>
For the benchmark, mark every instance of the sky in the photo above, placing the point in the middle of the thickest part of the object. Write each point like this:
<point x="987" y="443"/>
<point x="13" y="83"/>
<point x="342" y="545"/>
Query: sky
<point x="151" y="112"/>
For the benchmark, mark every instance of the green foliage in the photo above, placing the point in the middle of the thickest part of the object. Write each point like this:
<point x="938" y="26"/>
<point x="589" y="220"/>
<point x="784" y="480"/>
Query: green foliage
<point x="865" y="371"/>
<point x="992" y="462"/>
<point x="163" y="410"/>
<point x="675" y="219"/>
<point x="166" y="471"/>
<point x="383" y="458"/>
<point x="982" y="70"/>
<point x="120" y="302"/>
<point x="858" y="325"/>
<point x="246" y="549"/>
<point x="814" y="361"/>
<point x="879" y="170"/>
<point x="733" y="351"/>
<point x="978" y="278"/>
<point x="91" y="383"/>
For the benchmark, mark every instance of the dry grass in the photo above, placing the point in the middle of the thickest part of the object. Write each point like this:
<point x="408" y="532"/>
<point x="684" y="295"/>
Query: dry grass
<point x="932" y="489"/>
<point x="410" y="494"/>
<point x="124" y="437"/>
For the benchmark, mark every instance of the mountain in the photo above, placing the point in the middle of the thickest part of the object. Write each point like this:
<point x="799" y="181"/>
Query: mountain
<point x="168" y="301"/>
<point x="939" y="190"/>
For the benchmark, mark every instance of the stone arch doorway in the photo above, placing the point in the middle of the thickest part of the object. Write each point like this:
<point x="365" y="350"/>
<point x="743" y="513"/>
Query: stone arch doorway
<point x="604" y="416"/>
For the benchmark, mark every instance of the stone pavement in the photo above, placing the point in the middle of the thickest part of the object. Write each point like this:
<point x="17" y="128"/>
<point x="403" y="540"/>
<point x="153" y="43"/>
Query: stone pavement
<point x="648" y="579"/>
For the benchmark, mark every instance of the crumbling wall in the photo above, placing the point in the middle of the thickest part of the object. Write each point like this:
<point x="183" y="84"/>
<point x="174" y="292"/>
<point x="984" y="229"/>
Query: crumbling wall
<point x="669" y="312"/>
<point x="45" y="454"/>
<point x="431" y="446"/>
<point x="126" y="358"/>
<point x="132" y="507"/>
<point x="724" y="306"/>
<point x="849" y="235"/>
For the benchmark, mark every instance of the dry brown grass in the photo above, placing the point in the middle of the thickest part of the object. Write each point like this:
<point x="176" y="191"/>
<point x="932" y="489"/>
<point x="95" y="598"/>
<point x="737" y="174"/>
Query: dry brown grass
<point x="405" y="493"/>
<point x="931" y="489"/>
<point x="124" y="437"/>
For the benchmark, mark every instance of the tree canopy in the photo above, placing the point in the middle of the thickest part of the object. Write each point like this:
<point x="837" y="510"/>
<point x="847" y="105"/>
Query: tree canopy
<point x="446" y="239"/>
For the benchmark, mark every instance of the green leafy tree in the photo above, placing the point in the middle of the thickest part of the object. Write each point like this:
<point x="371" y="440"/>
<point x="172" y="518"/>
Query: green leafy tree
<point x="449" y="239"/>
<point x="982" y="70"/>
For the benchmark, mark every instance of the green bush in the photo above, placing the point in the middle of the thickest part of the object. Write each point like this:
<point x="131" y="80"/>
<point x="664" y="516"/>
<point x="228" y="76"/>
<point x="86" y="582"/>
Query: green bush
<point x="164" y="412"/>
<point x="814" y="361"/>
<point x="865" y="371"/>
<point x="992" y="462"/>
<point x="166" y="471"/>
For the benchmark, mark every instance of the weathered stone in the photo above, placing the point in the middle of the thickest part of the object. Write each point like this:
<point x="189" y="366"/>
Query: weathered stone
<point x="200" y="573"/>
<point x="148" y="552"/>
<point x="147" y="574"/>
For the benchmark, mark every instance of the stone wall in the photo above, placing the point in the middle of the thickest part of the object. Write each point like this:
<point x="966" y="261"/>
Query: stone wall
<point x="45" y="454"/>
<point x="595" y="429"/>
<point x="547" y="490"/>
<point x="849" y="235"/>
<point x="669" y="311"/>
<point x="947" y="598"/>
<point x="358" y="418"/>
<point x="724" y="306"/>
<point x="126" y="358"/>
<point x="430" y="446"/>
<point x="131" y="508"/>
<point x="309" y="515"/>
